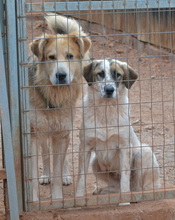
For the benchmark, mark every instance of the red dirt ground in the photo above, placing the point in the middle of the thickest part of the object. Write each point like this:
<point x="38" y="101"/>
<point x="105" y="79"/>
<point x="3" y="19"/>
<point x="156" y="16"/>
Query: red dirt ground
<point x="157" y="210"/>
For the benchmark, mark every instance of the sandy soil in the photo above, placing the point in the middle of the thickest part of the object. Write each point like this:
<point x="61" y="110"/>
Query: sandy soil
<point x="152" y="116"/>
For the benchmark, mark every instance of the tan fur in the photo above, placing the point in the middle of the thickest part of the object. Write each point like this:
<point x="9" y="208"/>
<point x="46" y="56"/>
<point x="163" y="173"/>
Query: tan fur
<point x="119" y="159"/>
<point x="53" y="100"/>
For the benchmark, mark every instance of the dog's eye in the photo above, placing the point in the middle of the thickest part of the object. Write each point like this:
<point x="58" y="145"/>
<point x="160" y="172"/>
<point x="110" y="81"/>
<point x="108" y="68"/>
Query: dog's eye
<point x="101" y="74"/>
<point x="52" y="57"/>
<point x="116" y="75"/>
<point x="69" y="56"/>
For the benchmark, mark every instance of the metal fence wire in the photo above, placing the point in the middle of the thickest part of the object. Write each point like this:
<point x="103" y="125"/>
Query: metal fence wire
<point x="96" y="101"/>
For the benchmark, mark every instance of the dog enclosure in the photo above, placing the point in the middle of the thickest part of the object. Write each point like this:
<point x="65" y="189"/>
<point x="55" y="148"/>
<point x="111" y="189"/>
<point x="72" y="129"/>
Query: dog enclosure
<point x="139" y="32"/>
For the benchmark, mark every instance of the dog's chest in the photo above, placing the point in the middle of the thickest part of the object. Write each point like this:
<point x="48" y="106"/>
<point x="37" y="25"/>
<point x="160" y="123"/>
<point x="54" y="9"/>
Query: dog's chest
<point x="105" y="121"/>
<point x="52" y="120"/>
<point x="106" y="116"/>
<point x="107" y="154"/>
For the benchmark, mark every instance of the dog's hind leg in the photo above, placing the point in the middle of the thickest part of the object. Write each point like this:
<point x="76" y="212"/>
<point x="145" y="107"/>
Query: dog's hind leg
<point x="110" y="178"/>
<point x="67" y="180"/>
<point x="45" y="149"/>
<point x="146" y="173"/>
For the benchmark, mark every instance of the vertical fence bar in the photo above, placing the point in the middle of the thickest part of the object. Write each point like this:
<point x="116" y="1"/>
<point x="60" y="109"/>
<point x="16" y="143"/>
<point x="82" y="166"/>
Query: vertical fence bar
<point x="24" y="99"/>
<point x="14" y="94"/>
<point x="2" y="21"/>
<point x="7" y="139"/>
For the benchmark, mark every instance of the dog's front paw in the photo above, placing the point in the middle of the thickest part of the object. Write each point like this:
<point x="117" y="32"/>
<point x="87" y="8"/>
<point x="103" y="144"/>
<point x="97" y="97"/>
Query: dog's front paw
<point x="67" y="180"/>
<point x="44" y="180"/>
<point x="97" y="191"/>
<point x="124" y="203"/>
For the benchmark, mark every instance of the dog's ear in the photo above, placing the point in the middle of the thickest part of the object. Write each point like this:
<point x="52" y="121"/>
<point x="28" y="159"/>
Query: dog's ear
<point x="38" y="45"/>
<point x="129" y="76"/>
<point x="87" y="44"/>
<point x="88" y="73"/>
<point x="83" y="42"/>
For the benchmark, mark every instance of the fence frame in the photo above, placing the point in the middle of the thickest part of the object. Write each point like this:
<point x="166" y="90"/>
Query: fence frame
<point x="16" y="36"/>
<point x="13" y="88"/>
<point x="7" y="123"/>
<point x="98" y="5"/>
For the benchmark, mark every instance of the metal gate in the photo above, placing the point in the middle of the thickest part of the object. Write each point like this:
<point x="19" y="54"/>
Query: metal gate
<point x="133" y="31"/>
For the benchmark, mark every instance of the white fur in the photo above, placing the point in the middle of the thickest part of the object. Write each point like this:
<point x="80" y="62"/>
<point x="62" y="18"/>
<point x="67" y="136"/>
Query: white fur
<point x="66" y="25"/>
<point x="107" y="131"/>
<point x="61" y="67"/>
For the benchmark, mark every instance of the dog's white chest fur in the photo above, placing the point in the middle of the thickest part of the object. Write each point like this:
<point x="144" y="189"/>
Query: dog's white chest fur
<point x="106" y="128"/>
<point x="105" y="121"/>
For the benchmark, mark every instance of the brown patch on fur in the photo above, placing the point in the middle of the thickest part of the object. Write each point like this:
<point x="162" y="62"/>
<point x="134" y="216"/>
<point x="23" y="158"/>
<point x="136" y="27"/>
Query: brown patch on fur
<point x="115" y="66"/>
<point x="129" y="75"/>
<point x="91" y="70"/>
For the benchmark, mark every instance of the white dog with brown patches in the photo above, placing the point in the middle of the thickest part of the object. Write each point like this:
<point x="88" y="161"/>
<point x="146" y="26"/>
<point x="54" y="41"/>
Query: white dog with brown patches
<point x="120" y="160"/>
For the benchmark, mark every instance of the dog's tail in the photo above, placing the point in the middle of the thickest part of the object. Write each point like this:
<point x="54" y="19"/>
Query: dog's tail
<point x="62" y="25"/>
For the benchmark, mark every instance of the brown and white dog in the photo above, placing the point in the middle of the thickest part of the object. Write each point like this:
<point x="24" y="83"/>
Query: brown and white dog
<point x="120" y="160"/>
<point x="55" y="77"/>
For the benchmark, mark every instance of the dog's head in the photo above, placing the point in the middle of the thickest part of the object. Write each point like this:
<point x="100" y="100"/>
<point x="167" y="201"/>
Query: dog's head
<point x="108" y="76"/>
<point x="59" y="56"/>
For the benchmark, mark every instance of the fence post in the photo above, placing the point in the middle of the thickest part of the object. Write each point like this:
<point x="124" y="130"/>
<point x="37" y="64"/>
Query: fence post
<point x="7" y="139"/>
<point x="24" y="101"/>
<point x="13" y="86"/>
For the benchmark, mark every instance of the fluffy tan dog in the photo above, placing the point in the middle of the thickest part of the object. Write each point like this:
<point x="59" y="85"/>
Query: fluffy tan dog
<point x="55" y="78"/>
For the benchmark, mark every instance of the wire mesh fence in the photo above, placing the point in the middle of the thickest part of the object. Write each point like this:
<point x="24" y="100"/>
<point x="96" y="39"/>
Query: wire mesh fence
<point x="98" y="91"/>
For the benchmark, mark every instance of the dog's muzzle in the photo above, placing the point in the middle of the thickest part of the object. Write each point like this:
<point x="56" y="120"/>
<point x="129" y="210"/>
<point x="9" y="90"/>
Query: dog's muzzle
<point x="61" y="77"/>
<point x="109" y="90"/>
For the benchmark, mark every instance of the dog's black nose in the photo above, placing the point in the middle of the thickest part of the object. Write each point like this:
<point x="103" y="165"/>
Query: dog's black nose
<point x="109" y="89"/>
<point x="61" y="76"/>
